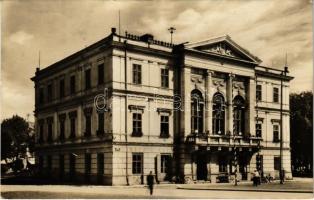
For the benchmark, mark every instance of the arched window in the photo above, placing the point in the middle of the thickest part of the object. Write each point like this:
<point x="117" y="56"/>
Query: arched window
<point x="197" y="111"/>
<point x="218" y="114"/>
<point x="238" y="115"/>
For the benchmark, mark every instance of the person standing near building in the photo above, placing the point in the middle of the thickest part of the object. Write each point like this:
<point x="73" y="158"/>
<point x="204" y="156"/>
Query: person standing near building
<point x="150" y="182"/>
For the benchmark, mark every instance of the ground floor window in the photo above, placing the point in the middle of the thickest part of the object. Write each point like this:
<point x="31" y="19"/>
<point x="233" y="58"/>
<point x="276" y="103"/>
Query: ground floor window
<point x="49" y="163"/>
<point x="165" y="163"/>
<point x="223" y="166"/>
<point x="72" y="165"/>
<point x="137" y="163"/>
<point x="61" y="166"/>
<point x="88" y="163"/>
<point x="277" y="163"/>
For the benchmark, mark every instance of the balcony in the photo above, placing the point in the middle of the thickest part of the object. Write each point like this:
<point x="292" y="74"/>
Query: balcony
<point x="223" y="140"/>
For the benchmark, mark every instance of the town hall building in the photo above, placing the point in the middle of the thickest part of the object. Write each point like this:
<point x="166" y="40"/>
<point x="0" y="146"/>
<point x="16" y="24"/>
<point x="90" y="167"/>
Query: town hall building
<point x="128" y="104"/>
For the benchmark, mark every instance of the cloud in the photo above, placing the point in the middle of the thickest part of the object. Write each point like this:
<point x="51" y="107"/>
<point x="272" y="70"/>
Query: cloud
<point x="20" y="37"/>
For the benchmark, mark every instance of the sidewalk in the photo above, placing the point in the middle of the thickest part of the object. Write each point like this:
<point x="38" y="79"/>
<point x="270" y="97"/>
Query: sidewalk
<point x="293" y="186"/>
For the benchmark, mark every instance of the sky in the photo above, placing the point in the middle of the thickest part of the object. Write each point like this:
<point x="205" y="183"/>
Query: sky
<point x="267" y="28"/>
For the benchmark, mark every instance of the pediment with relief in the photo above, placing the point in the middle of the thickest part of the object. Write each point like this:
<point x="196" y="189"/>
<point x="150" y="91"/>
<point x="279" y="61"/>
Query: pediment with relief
<point x="226" y="47"/>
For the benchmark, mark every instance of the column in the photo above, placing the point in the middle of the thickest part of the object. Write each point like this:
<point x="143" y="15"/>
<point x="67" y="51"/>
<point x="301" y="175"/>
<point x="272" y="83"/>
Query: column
<point x="229" y="101"/>
<point x="209" y="106"/>
<point x="251" y="107"/>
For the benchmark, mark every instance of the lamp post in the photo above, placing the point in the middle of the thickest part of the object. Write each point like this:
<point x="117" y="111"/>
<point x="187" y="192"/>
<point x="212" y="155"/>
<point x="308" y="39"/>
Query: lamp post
<point x="283" y="73"/>
<point x="171" y="30"/>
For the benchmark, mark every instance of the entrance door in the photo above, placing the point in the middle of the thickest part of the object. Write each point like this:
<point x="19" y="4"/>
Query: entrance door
<point x="201" y="166"/>
<point x="243" y="166"/>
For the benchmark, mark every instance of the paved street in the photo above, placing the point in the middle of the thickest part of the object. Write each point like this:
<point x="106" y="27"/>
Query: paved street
<point x="161" y="191"/>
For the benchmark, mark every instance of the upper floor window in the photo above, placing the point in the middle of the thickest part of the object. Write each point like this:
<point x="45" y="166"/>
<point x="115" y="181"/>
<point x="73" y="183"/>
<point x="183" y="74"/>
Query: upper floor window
<point x="72" y="84"/>
<point x="101" y="123"/>
<point x="275" y="95"/>
<point x="258" y="93"/>
<point x="239" y="115"/>
<point x="88" y="121"/>
<point x="258" y="130"/>
<point x="137" y="124"/>
<point x="100" y="74"/>
<point x="164" y="126"/>
<point x="87" y="79"/>
<point x="276" y="133"/>
<point x="61" y="89"/>
<point x="41" y="133"/>
<point x="137" y="74"/>
<point x="41" y="95"/>
<point x="49" y="139"/>
<point x="197" y="110"/>
<point x="62" y="129"/>
<point x="72" y="127"/>
<point x="218" y="114"/>
<point x="165" y="78"/>
<point x="49" y="92"/>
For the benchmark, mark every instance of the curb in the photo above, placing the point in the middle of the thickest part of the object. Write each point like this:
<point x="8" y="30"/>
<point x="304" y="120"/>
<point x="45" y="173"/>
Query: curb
<point x="247" y="190"/>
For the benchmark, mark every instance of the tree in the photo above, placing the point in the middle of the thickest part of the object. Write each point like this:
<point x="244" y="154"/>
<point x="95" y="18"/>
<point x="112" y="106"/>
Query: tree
<point x="301" y="140"/>
<point x="15" y="138"/>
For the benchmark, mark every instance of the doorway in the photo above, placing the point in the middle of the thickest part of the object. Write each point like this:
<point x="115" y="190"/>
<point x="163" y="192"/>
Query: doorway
<point x="201" y="166"/>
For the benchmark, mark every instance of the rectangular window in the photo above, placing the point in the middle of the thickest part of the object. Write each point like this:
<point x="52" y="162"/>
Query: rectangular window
<point x="62" y="130"/>
<point x="100" y="163"/>
<point x="101" y="123"/>
<point x="72" y="127"/>
<point x="137" y="124"/>
<point x="61" y="88"/>
<point x="87" y="79"/>
<point x="40" y="163"/>
<point x="258" y="130"/>
<point x="223" y="167"/>
<point x="88" y="125"/>
<point x="49" y="163"/>
<point x="49" y="93"/>
<point x="61" y="166"/>
<point x="41" y="96"/>
<point x="276" y="133"/>
<point x="100" y="74"/>
<point x="276" y="163"/>
<point x="72" y="165"/>
<point x="49" y="132"/>
<point x="165" y="78"/>
<point x="137" y="163"/>
<point x="88" y="164"/>
<point x="164" y="126"/>
<point x="72" y="84"/>
<point x="41" y="133"/>
<point x="259" y="162"/>
<point x="275" y="95"/>
<point x="258" y="93"/>
<point x="165" y="161"/>
<point x="137" y="74"/>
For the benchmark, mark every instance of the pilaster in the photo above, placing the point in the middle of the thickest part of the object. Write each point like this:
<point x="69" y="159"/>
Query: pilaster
<point x="229" y="102"/>
<point x="209" y="106"/>
<point x="251" y="106"/>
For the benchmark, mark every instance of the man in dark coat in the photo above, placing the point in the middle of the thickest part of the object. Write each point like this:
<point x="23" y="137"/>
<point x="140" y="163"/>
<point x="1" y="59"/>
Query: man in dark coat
<point x="150" y="182"/>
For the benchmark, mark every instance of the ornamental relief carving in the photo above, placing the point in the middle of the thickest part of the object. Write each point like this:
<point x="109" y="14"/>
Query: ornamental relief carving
<point x="222" y="49"/>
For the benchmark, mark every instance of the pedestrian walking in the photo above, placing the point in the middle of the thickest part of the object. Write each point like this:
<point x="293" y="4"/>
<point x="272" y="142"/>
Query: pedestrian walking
<point x="256" y="178"/>
<point x="150" y="182"/>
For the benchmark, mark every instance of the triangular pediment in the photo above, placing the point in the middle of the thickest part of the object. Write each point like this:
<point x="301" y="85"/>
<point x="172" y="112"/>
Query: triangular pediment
<point x="224" y="46"/>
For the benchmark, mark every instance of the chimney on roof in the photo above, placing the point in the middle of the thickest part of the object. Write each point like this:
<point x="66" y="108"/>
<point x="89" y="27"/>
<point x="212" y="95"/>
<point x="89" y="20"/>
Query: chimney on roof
<point x="113" y="30"/>
<point x="147" y="38"/>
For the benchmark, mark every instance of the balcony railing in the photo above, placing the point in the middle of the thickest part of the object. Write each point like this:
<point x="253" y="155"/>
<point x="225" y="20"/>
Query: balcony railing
<point x="226" y="140"/>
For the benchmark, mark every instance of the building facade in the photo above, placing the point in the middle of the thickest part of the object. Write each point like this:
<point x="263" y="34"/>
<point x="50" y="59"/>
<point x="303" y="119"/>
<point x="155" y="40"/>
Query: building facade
<point x="127" y="105"/>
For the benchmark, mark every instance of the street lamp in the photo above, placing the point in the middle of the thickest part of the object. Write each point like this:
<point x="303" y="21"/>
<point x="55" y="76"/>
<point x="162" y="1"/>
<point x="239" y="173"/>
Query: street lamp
<point x="283" y="73"/>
